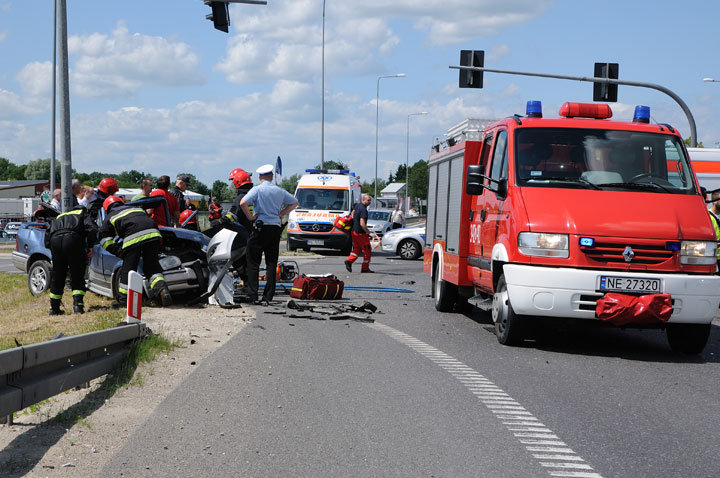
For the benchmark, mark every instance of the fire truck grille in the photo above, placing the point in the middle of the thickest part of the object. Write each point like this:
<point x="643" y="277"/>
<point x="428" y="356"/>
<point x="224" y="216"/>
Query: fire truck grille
<point x="608" y="253"/>
<point x="316" y="227"/>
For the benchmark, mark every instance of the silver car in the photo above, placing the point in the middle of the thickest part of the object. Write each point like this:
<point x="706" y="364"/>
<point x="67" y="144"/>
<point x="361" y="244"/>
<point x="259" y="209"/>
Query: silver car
<point x="378" y="221"/>
<point x="407" y="242"/>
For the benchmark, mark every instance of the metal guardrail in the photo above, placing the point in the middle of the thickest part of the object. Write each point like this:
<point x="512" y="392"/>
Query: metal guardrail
<point x="32" y="373"/>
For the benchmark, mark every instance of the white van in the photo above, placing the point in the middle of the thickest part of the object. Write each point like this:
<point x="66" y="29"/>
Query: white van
<point x="322" y="196"/>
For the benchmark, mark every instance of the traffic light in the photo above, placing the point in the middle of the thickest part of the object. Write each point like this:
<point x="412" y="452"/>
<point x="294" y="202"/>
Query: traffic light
<point x="470" y="78"/>
<point x="220" y="15"/>
<point x="605" y="91"/>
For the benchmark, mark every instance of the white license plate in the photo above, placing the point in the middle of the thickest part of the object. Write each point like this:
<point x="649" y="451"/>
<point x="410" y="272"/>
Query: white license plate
<point x="316" y="242"/>
<point x="630" y="284"/>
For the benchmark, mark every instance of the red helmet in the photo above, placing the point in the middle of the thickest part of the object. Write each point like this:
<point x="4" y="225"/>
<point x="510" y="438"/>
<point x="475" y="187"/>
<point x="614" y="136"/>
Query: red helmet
<point x="109" y="186"/>
<point x="186" y="214"/>
<point x="239" y="177"/>
<point x="110" y="200"/>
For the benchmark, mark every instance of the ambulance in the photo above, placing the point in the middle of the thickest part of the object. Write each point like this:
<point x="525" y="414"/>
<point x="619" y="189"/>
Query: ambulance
<point x="577" y="217"/>
<point x="706" y="163"/>
<point x="322" y="196"/>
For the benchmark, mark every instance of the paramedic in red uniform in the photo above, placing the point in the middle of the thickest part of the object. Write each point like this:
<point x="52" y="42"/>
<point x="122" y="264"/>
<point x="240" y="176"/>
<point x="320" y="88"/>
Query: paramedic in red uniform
<point x="360" y="236"/>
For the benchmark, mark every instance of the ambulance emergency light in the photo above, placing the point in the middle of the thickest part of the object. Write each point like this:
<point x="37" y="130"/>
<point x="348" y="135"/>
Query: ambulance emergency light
<point x="328" y="171"/>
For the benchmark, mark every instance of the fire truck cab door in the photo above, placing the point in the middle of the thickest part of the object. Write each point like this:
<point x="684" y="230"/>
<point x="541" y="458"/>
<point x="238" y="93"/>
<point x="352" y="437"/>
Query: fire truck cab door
<point x="493" y="203"/>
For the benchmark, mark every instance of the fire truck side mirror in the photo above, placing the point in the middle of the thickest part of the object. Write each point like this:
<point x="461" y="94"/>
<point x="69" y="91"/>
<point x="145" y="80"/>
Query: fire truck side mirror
<point x="474" y="180"/>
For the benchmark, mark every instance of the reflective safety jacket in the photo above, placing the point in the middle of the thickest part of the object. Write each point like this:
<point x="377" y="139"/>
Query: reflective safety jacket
<point x="76" y="221"/>
<point x="131" y="224"/>
<point x="716" y="226"/>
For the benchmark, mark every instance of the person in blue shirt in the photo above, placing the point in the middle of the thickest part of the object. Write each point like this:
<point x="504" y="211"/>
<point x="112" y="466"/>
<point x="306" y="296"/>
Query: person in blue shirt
<point x="270" y="203"/>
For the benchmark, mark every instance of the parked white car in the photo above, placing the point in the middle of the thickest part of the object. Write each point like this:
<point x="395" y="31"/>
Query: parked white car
<point x="407" y="242"/>
<point x="378" y="221"/>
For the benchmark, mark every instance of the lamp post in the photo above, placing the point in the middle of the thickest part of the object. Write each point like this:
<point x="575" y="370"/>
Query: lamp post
<point x="377" y="123"/>
<point x="711" y="80"/>
<point x="322" y="114"/>
<point x="407" y="156"/>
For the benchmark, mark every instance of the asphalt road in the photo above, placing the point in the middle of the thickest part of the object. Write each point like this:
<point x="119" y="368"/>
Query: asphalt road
<point x="422" y="393"/>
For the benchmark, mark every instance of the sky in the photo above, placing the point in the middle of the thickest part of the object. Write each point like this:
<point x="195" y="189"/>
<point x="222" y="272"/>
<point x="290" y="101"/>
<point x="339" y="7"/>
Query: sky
<point x="154" y="87"/>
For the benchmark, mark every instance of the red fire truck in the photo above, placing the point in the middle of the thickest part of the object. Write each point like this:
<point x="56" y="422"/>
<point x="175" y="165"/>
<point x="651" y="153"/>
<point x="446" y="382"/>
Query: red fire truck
<point x="577" y="217"/>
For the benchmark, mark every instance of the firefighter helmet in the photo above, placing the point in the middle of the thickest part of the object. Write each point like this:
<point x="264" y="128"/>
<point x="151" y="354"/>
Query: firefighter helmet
<point x="240" y="177"/>
<point x="110" y="200"/>
<point x="187" y="213"/>
<point x="108" y="186"/>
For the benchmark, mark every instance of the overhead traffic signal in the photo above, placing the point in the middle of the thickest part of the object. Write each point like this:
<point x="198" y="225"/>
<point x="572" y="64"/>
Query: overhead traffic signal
<point x="470" y="78"/>
<point x="220" y="15"/>
<point x="605" y="91"/>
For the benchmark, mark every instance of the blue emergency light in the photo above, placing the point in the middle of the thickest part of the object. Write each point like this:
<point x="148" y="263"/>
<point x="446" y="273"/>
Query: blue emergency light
<point x="642" y="114"/>
<point x="533" y="109"/>
<point x="672" y="245"/>
<point x="587" y="242"/>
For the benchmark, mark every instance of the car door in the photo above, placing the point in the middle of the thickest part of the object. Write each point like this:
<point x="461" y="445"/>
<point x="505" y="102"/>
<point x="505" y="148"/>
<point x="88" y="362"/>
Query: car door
<point x="493" y="202"/>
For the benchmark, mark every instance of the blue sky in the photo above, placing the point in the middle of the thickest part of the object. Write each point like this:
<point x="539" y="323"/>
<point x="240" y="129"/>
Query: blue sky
<point x="155" y="88"/>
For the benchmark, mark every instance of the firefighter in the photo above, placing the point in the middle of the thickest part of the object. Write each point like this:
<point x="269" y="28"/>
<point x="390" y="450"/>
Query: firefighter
<point x="140" y="238"/>
<point x="106" y="188"/>
<point x="70" y="237"/>
<point x="243" y="183"/>
<point x="191" y="218"/>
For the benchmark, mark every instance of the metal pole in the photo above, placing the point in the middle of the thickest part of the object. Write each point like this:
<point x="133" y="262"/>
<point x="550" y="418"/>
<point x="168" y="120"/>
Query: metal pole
<point x="377" y="123"/>
<point x="66" y="171"/>
<point x="322" y="130"/>
<point x="678" y="100"/>
<point x="54" y="102"/>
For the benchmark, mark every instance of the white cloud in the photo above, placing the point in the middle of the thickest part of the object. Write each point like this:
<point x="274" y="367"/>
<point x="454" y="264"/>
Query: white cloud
<point x="13" y="107"/>
<point x="119" y="64"/>
<point x="35" y="79"/>
<point x="3" y="36"/>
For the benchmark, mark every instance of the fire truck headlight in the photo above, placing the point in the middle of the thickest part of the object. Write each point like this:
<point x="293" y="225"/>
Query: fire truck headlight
<point x="698" y="252"/>
<point x="544" y="245"/>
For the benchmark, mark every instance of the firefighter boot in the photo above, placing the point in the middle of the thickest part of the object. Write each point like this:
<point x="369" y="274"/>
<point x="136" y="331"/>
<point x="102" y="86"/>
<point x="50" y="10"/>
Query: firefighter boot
<point x="165" y="297"/>
<point x="55" y="307"/>
<point x="160" y="290"/>
<point x="78" y="305"/>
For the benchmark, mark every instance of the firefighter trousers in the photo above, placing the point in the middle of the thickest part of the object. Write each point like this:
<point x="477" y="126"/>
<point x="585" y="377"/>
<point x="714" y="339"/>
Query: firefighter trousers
<point x="148" y="251"/>
<point x="68" y="252"/>
<point x="361" y="245"/>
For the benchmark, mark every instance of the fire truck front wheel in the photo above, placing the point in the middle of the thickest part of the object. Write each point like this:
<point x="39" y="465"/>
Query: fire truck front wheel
<point x="508" y="325"/>
<point x="688" y="339"/>
<point x="444" y="292"/>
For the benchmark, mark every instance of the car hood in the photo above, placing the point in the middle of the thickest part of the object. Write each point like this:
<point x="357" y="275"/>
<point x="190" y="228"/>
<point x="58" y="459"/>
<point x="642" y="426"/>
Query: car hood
<point x="617" y="213"/>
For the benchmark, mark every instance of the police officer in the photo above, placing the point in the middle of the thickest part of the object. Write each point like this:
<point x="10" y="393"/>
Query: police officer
<point x="140" y="238"/>
<point x="69" y="238"/>
<point x="270" y="204"/>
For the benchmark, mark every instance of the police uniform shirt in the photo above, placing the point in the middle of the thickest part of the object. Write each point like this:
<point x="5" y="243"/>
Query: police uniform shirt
<point x="268" y="200"/>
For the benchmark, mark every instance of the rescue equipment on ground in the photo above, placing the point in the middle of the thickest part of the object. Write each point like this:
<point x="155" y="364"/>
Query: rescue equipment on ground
<point x="343" y="223"/>
<point x="623" y="309"/>
<point x="317" y="287"/>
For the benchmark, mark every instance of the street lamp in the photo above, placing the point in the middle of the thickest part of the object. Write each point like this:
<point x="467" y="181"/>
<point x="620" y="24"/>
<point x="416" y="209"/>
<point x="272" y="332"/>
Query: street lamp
<point x="377" y="122"/>
<point x="322" y="114"/>
<point x="407" y="156"/>
<point x="710" y="80"/>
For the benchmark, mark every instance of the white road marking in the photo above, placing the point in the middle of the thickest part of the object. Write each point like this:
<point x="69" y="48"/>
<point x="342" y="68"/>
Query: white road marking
<point x="540" y="441"/>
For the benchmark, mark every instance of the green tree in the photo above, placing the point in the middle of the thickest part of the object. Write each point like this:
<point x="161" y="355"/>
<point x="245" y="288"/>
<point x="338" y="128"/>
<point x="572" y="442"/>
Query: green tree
<point x="289" y="183"/>
<point x="418" y="180"/>
<point x="40" y="169"/>
<point x="368" y="187"/>
<point x="131" y="179"/>
<point x="333" y="165"/>
<point x="687" y="143"/>
<point x="11" y="171"/>
<point x="222" y="191"/>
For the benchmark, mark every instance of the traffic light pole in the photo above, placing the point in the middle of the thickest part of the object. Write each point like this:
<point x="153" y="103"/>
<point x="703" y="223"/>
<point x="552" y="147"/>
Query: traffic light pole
<point x="671" y="94"/>
<point x="66" y="165"/>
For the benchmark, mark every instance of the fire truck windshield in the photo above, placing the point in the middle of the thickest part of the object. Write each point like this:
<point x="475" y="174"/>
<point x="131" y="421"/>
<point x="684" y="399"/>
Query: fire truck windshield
<point x="322" y="199"/>
<point x="601" y="159"/>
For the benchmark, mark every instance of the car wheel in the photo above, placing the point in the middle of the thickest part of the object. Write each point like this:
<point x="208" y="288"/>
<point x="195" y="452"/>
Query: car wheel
<point x="443" y="291"/>
<point x="508" y="325"/>
<point x="688" y="339"/>
<point x="39" y="277"/>
<point x="408" y="249"/>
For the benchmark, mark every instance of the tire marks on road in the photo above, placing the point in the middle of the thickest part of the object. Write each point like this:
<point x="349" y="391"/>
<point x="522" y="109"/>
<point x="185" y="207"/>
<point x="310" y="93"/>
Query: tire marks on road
<point x="543" y="444"/>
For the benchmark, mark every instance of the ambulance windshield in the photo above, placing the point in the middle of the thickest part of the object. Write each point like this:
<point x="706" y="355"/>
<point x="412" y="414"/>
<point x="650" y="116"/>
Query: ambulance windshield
<point x="602" y="159"/>
<point x="322" y="199"/>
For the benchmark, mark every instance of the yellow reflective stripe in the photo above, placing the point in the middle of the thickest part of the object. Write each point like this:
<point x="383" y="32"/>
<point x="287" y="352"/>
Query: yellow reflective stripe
<point x="142" y="238"/>
<point x="125" y="213"/>
<point x="78" y="292"/>
<point x="55" y="296"/>
<point x="74" y="211"/>
<point x="122" y="291"/>
<point x="295" y="288"/>
<point x="105" y="243"/>
<point x="157" y="279"/>
<point x="716" y="227"/>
